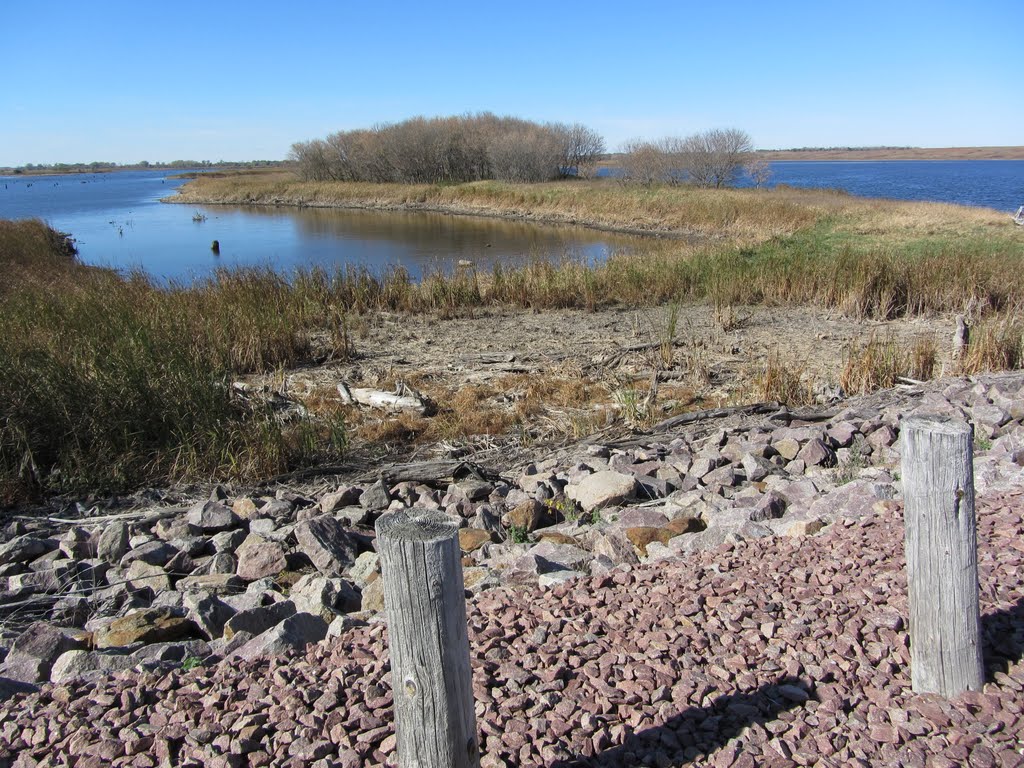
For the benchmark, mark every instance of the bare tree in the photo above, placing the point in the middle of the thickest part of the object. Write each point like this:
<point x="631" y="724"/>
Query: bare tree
<point x="715" y="158"/>
<point x="581" y="147"/>
<point x="643" y="162"/>
<point x="312" y="159"/>
<point x="447" y="149"/>
<point x="759" y="170"/>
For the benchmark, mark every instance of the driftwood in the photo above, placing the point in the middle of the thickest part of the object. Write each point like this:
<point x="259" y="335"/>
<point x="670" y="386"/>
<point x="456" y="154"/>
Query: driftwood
<point x="715" y="413"/>
<point x="142" y="517"/>
<point x="787" y="416"/>
<point x="404" y="398"/>
<point x="614" y="358"/>
<point x="961" y="338"/>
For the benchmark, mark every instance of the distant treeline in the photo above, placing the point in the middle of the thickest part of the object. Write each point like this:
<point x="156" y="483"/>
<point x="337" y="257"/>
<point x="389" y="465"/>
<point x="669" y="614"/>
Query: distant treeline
<point x="835" y="149"/>
<point x="98" y="167"/>
<point x="451" y="149"/>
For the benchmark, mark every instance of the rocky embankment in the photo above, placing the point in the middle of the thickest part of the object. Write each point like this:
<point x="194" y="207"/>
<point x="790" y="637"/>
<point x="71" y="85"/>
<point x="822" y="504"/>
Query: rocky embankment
<point x="731" y="594"/>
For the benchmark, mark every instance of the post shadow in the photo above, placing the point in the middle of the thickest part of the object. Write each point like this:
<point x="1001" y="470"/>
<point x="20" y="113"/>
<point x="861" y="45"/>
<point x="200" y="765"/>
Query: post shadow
<point x="1002" y="639"/>
<point x="699" y="731"/>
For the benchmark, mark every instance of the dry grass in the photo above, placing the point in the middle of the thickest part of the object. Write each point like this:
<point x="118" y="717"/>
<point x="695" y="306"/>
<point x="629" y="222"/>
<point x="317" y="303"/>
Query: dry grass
<point x="996" y="345"/>
<point x="881" y="363"/>
<point x="783" y="381"/>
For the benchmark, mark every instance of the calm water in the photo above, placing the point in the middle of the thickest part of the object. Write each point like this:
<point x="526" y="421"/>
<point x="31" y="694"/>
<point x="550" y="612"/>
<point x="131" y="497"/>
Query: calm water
<point x="118" y="220"/>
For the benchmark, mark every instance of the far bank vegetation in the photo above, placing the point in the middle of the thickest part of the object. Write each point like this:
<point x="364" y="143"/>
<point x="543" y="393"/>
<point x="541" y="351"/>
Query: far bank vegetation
<point x="715" y="158"/>
<point x="454" y="149"/>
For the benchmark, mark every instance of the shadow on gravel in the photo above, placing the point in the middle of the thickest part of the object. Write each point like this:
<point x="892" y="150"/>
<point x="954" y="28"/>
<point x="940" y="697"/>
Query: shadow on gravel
<point x="699" y="731"/>
<point x="1002" y="639"/>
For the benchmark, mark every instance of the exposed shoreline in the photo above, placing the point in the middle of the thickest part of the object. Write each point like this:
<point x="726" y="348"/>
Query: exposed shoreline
<point x="533" y="217"/>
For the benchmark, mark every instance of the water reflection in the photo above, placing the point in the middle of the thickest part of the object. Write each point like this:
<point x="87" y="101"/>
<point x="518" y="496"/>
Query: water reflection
<point x="422" y="241"/>
<point x="119" y="221"/>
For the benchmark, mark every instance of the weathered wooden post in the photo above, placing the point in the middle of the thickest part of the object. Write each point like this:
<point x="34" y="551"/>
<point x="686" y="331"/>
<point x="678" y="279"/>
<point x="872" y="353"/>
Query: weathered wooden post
<point x="961" y="339"/>
<point x="942" y="555"/>
<point x="424" y="597"/>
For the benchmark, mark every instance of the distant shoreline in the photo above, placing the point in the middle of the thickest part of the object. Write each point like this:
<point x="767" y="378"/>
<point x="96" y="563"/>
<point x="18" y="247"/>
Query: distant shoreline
<point x="871" y="154"/>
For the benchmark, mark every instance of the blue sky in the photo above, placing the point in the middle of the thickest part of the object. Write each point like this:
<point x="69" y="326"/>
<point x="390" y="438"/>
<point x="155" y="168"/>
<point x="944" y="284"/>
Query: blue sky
<point x="124" y="82"/>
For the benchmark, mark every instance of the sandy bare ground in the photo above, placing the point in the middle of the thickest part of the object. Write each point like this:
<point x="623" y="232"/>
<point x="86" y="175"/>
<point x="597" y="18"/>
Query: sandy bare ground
<point x="561" y="374"/>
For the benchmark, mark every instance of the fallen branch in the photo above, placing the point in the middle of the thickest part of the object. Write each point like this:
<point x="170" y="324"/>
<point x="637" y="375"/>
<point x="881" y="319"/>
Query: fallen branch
<point x="715" y="413"/>
<point x="404" y="398"/>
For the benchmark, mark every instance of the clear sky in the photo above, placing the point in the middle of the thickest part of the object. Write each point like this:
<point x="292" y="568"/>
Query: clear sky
<point x="212" y="80"/>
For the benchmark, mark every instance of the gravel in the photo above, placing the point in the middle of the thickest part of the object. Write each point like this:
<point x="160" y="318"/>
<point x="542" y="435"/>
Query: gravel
<point x="778" y="651"/>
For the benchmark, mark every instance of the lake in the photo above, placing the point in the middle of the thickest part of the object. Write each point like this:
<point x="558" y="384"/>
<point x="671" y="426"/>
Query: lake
<point x="995" y="184"/>
<point x="118" y="220"/>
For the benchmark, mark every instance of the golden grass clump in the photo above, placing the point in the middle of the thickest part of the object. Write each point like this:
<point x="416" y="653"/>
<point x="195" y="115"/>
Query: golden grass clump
<point x="996" y="345"/>
<point x="782" y="381"/>
<point x="881" y="363"/>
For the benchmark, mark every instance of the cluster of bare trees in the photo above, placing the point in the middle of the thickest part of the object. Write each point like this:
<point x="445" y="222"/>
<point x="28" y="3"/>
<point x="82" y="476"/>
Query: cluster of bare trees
<point x="713" y="158"/>
<point x="451" y="149"/>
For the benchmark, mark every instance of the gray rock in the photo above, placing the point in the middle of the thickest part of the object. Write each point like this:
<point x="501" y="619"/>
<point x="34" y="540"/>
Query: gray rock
<point x="842" y="434"/>
<point x="208" y="611"/>
<point x="214" y="583"/>
<point x="756" y="468"/>
<point x="180" y="565"/>
<point x="176" y="651"/>
<point x="990" y="415"/>
<point x="343" y="497"/>
<point x="328" y="545"/>
<point x="325" y="597"/>
<point x="341" y="624"/>
<point x="77" y="543"/>
<point x="367" y="566"/>
<point x="25" y="548"/>
<point x="213" y="517"/>
<point x="853" y="500"/>
<point x="702" y="465"/>
<point x="171" y="528"/>
<point x="723" y="477"/>
<point x="603" y="489"/>
<point x="376" y="497"/>
<point x="228" y="541"/>
<point x="222" y="562"/>
<point x="113" y="542"/>
<point x="259" y="620"/>
<point x="34" y="652"/>
<point x="278" y="509"/>
<point x="353" y="516"/>
<point x="84" y="666"/>
<point x="615" y="548"/>
<point x="142" y="575"/>
<point x="561" y="556"/>
<point x="769" y="507"/>
<point x="555" y="578"/>
<point x="263" y="526"/>
<point x="292" y="634"/>
<point x="152" y="553"/>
